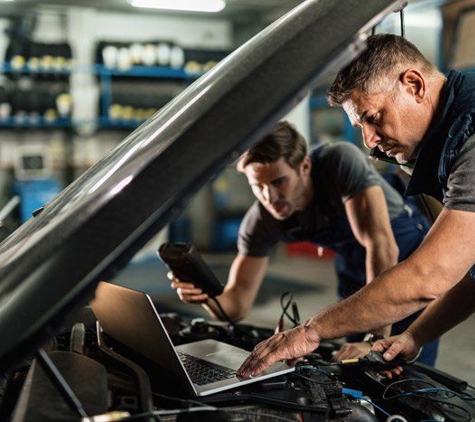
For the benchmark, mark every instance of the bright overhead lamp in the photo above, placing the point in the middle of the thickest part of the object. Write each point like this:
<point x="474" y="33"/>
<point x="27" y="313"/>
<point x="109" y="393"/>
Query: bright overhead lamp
<point x="183" y="5"/>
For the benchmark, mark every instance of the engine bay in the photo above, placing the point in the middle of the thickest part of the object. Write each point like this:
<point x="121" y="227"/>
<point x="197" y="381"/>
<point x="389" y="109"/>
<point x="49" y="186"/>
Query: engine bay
<point x="111" y="382"/>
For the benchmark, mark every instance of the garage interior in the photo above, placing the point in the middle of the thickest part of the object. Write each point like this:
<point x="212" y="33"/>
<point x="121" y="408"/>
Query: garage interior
<point x="78" y="76"/>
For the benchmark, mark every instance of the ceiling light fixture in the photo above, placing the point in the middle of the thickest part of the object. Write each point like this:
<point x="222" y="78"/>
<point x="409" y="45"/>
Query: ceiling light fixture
<point x="182" y="5"/>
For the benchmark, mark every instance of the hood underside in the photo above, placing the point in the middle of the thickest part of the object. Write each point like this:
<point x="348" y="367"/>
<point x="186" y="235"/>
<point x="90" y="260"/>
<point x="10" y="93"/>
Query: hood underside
<point x="53" y="262"/>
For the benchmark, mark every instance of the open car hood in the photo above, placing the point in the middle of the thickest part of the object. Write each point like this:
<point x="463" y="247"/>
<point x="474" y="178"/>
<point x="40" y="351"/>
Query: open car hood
<point x="51" y="264"/>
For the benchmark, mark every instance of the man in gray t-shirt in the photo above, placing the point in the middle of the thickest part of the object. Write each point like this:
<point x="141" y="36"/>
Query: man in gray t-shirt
<point x="338" y="173"/>
<point x="331" y="197"/>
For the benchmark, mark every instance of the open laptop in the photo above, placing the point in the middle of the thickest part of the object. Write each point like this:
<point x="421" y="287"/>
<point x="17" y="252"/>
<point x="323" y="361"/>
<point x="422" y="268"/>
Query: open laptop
<point x="130" y="317"/>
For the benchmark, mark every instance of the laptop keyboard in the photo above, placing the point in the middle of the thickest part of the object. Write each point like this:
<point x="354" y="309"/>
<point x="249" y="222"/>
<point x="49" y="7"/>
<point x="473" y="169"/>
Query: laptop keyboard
<point x="202" y="372"/>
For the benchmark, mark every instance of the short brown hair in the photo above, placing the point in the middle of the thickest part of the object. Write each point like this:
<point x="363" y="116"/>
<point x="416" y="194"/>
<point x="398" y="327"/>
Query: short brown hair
<point x="284" y="141"/>
<point x="386" y="57"/>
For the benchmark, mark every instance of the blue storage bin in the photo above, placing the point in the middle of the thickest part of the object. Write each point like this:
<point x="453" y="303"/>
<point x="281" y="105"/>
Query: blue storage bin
<point x="34" y="194"/>
<point x="179" y="230"/>
<point x="226" y="234"/>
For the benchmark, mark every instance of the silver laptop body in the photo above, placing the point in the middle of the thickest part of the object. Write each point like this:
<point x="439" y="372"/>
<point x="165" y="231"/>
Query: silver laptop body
<point x="130" y="317"/>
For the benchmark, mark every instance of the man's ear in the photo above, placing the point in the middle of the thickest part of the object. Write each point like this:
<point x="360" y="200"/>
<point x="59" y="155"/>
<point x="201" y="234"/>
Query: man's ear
<point x="414" y="83"/>
<point x="305" y="166"/>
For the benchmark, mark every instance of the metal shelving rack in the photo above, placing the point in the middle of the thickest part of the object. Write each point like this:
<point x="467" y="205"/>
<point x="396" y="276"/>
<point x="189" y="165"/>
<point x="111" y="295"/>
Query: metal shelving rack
<point x="106" y="75"/>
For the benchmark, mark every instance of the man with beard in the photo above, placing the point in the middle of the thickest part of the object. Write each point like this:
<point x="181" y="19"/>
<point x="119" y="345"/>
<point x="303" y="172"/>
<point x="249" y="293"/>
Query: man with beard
<point x="331" y="197"/>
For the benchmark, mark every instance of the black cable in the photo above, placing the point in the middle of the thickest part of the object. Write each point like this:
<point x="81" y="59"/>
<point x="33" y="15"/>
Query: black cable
<point x="452" y="405"/>
<point x="404" y="381"/>
<point x="296" y="313"/>
<point x="60" y="383"/>
<point x="295" y="319"/>
<point x="225" y="316"/>
<point x="435" y="391"/>
<point x="286" y="306"/>
<point x="425" y="393"/>
<point x="461" y="395"/>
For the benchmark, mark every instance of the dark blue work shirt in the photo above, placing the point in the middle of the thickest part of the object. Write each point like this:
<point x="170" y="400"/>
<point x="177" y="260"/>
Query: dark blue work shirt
<point x="445" y="164"/>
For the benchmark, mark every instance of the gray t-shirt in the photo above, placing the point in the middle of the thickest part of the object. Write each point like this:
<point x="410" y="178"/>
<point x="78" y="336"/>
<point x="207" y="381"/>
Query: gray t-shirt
<point x="460" y="193"/>
<point x="339" y="171"/>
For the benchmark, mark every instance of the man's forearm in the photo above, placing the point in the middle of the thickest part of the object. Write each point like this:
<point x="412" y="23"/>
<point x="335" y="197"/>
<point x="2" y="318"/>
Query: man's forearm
<point x="245" y="278"/>
<point x="232" y="307"/>
<point x="445" y="313"/>
<point x="380" y="258"/>
<point x="212" y="309"/>
<point x="396" y="294"/>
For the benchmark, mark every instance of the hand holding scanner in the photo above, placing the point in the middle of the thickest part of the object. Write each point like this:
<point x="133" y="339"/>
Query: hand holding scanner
<point x="187" y="265"/>
<point x="375" y="360"/>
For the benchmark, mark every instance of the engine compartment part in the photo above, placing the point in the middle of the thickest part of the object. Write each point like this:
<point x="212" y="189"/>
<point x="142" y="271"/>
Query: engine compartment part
<point x="113" y="383"/>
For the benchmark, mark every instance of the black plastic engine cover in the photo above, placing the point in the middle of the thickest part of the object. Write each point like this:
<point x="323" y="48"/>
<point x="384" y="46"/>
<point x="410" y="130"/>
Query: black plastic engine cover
<point x="40" y="401"/>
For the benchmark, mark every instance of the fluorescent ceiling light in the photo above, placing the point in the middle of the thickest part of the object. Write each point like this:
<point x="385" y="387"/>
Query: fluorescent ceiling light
<point x="187" y="5"/>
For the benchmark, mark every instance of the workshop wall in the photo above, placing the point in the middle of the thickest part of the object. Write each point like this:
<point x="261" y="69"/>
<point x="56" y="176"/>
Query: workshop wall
<point x="88" y="133"/>
<point x="82" y="139"/>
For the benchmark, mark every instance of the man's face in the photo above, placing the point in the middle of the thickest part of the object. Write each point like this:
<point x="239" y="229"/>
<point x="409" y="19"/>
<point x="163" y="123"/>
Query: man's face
<point x="395" y="123"/>
<point x="278" y="187"/>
